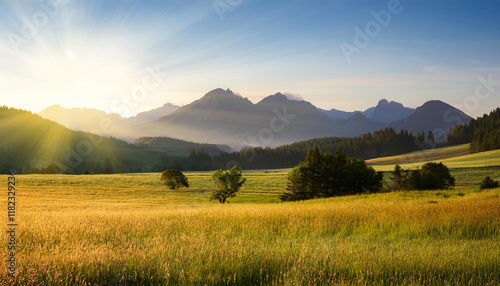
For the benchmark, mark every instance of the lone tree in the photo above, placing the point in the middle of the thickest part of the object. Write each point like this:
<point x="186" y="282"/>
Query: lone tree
<point x="228" y="183"/>
<point x="326" y="175"/>
<point x="174" y="179"/>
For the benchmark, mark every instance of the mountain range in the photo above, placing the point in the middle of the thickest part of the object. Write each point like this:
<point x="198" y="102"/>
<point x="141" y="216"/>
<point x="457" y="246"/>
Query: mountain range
<point x="86" y="119"/>
<point x="384" y="112"/>
<point x="223" y="117"/>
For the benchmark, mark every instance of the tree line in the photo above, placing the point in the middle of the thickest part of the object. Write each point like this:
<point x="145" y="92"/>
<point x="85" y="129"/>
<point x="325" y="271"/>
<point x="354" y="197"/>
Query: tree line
<point x="483" y="133"/>
<point x="385" y="142"/>
<point x="324" y="175"/>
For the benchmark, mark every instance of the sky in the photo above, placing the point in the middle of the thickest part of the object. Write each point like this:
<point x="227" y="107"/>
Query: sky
<point x="128" y="56"/>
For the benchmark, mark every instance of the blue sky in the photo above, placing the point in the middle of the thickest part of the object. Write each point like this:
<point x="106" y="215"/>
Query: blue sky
<point x="101" y="54"/>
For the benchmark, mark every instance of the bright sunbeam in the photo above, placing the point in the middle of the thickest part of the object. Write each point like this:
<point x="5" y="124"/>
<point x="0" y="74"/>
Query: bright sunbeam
<point x="79" y="58"/>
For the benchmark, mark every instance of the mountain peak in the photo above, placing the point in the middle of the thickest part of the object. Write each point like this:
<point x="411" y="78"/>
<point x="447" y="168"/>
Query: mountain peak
<point x="357" y="117"/>
<point x="435" y="116"/>
<point x="219" y="92"/>
<point x="275" y="98"/>
<point x="434" y="106"/>
<point x="387" y="112"/>
<point x="383" y="102"/>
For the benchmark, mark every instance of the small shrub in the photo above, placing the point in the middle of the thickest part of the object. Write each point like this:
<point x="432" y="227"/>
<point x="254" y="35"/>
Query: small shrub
<point x="441" y="195"/>
<point x="488" y="183"/>
<point x="174" y="179"/>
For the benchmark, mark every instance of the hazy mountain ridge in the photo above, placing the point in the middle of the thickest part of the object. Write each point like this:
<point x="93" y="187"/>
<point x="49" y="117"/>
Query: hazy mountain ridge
<point x="154" y="114"/>
<point x="383" y="112"/>
<point x="335" y="114"/>
<point x="90" y="120"/>
<point x="388" y="112"/>
<point x="435" y="115"/>
<point x="223" y="117"/>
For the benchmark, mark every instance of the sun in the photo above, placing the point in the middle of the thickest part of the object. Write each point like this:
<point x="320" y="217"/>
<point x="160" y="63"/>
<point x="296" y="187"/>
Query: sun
<point x="80" y="73"/>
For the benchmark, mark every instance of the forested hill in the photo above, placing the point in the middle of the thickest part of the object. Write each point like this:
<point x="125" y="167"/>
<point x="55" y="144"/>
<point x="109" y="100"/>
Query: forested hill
<point x="386" y="142"/>
<point x="483" y="133"/>
<point x="32" y="144"/>
<point x="29" y="142"/>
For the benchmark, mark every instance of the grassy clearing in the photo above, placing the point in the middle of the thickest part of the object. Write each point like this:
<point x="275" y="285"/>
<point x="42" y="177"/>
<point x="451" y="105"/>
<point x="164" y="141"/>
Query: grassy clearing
<point x="475" y="160"/>
<point x="131" y="230"/>
<point x="423" y="156"/>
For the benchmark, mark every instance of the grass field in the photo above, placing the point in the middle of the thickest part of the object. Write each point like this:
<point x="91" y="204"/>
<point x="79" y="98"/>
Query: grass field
<point x="131" y="230"/>
<point x="474" y="160"/>
<point x="422" y="156"/>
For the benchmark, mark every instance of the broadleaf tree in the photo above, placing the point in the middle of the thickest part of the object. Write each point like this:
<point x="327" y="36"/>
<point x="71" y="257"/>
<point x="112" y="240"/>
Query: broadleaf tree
<point x="228" y="183"/>
<point x="174" y="179"/>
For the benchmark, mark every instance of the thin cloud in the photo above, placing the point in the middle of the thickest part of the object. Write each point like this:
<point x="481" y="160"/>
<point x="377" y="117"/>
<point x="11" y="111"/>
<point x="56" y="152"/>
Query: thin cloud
<point x="293" y="96"/>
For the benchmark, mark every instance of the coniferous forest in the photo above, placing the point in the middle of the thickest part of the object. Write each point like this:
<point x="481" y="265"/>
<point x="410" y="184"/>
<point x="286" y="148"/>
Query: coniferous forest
<point x="385" y="142"/>
<point x="483" y="133"/>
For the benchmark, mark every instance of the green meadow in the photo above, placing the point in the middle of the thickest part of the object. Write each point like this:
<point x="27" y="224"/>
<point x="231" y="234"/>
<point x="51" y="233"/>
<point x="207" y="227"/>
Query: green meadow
<point x="456" y="157"/>
<point x="130" y="229"/>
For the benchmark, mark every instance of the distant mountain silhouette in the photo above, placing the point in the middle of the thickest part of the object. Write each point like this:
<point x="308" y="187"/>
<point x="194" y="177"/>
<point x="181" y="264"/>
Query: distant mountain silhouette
<point x="384" y="112"/>
<point x="154" y="114"/>
<point x="299" y="120"/>
<point x="335" y="114"/>
<point x="99" y="122"/>
<point x="81" y="119"/>
<point x="361" y="124"/>
<point x="435" y="116"/>
<point x="218" y="114"/>
<point x="388" y="112"/>
<point x="223" y="117"/>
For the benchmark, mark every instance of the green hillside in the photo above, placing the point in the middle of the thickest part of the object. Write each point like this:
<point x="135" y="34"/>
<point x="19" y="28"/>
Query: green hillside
<point x="29" y="143"/>
<point x="476" y="160"/>
<point x="179" y="147"/>
<point x="423" y="156"/>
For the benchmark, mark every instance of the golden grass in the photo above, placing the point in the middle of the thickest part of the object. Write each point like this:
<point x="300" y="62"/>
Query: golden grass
<point x="131" y="230"/>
